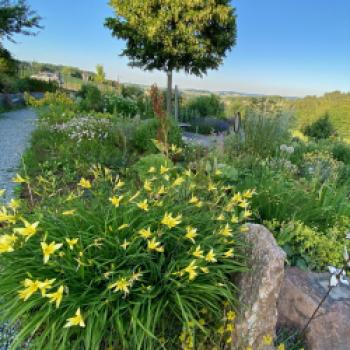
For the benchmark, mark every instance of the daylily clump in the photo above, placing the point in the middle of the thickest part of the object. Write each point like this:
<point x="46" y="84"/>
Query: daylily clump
<point x="145" y="255"/>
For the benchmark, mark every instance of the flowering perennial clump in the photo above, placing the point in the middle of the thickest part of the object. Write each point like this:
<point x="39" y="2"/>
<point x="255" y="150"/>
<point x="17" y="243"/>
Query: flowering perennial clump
<point x="124" y="266"/>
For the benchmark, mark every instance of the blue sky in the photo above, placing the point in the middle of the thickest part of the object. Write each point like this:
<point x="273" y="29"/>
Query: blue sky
<point x="286" y="47"/>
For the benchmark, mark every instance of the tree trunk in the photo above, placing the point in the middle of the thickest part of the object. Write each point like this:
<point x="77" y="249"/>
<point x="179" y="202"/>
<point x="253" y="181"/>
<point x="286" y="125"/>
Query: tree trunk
<point x="169" y="95"/>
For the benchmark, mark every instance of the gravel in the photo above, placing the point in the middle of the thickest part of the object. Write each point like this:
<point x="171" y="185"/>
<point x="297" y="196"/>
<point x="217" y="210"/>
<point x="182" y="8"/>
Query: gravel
<point x="15" y="130"/>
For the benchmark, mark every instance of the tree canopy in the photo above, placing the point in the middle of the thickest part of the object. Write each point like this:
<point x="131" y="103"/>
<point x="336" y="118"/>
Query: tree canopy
<point x="173" y="35"/>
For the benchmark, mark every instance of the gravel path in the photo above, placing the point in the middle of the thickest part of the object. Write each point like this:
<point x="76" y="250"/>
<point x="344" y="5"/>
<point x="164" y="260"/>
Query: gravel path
<point x="15" y="130"/>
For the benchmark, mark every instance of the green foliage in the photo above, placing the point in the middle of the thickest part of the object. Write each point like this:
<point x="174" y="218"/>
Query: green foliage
<point x="144" y="164"/>
<point x="203" y="106"/>
<point x="320" y="129"/>
<point x="91" y="98"/>
<point x="341" y="152"/>
<point x="8" y="65"/>
<point x="100" y="76"/>
<point x="262" y="135"/>
<point x="123" y="106"/>
<point x="146" y="132"/>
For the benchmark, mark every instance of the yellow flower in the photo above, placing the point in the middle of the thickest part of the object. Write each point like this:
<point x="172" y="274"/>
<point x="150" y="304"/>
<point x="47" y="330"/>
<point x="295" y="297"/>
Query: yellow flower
<point x="147" y="186"/>
<point x="154" y="245"/>
<point x="244" y="229"/>
<point x="166" y="177"/>
<point x="115" y="200"/>
<point x="49" y="249"/>
<point x="28" y="230"/>
<point x="175" y="149"/>
<point x="237" y="198"/>
<point x="267" y="340"/>
<point x="14" y="204"/>
<point x="229" y="340"/>
<point x="234" y="219"/>
<point x="121" y="285"/>
<point x="281" y="347"/>
<point x="188" y="172"/>
<point x="170" y="221"/>
<point x="211" y="187"/>
<point x="247" y="214"/>
<point x="205" y="269"/>
<point x="231" y="315"/>
<point x="178" y="181"/>
<point x="56" y="297"/>
<point x="163" y="169"/>
<point x="123" y="226"/>
<point x="218" y="172"/>
<point x="84" y="183"/>
<point x="152" y="170"/>
<point x="161" y="191"/>
<point x="191" y="270"/>
<point x="47" y="284"/>
<point x="249" y="194"/>
<point x="229" y="327"/>
<point x="191" y="234"/>
<point x="229" y="253"/>
<point x="125" y="244"/>
<point x="226" y="231"/>
<point x="210" y="257"/>
<point x="77" y="320"/>
<point x="198" y="253"/>
<point x="19" y="179"/>
<point x="244" y="204"/>
<point x="72" y="242"/>
<point x="69" y="212"/>
<point x="6" y="243"/>
<point x="221" y="217"/>
<point x="194" y="200"/>
<point x="143" y="205"/>
<point x="30" y="288"/>
<point x="119" y="184"/>
<point x="145" y="233"/>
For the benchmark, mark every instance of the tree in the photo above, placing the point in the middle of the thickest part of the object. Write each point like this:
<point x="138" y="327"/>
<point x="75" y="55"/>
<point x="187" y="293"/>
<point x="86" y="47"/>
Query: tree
<point x="320" y="129"/>
<point x="100" y="74"/>
<point x="16" y="17"/>
<point x="173" y="35"/>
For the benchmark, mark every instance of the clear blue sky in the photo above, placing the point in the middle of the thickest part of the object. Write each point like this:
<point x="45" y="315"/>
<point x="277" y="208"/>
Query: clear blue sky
<point x="286" y="47"/>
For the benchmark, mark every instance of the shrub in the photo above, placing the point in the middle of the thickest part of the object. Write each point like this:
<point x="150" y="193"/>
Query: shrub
<point x="142" y="166"/>
<point x="208" y="126"/>
<point x="146" y="132"/>
<point x="91" y="98"/>
<point x="261" y="137"/>
<point x="123" y="106"/>
<point x="320" y="129"/>
<point x="112" y="266"/>
<point x="341" y="152"/>
<point x="35" y="85"/>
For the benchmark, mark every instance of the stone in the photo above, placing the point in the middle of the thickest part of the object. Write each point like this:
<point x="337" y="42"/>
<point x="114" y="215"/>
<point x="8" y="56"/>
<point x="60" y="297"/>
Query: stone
<point x="259" y="289"/>
<point x="300" y="295"/>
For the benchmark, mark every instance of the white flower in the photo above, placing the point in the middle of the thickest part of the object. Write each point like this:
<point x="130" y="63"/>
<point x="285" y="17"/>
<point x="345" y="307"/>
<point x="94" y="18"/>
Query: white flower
<point x="337" y="276"/>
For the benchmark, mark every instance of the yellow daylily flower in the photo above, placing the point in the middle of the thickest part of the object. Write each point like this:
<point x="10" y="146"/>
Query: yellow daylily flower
<point x="145" y="233"/>
<point x="170" y="221"/>
<point x="123" y="226"/>
<point x="19" y="179"/>
<point x="237" y="198"/>
<point x="244" y="229"/>
<point x="72" y="242"/>
<point x="143" y="205"/>
<point x="281" y="347"/>
<point x="152" y="170"/>
<point x="188" y="172"/>
<point x="191" y="234"/>
<point x="221" y="217"/>
<point x="30" y="288"/>
<point x="178" y="181"/>
<point x="210" y="257"/>
<point x="84" y="183"/>
<point x="231" y="315"/>
<point x="14" y="204"/>
<point x="49" y="249"/>
<point x="121" y="285"/>
<point x="194" y="200"/>
<point x="247" y="214"/>
<point x="125" y="244"/>
<point x="6" y="217"/>
<point x="69" y="212"/>
<point x="204" y="269"/>
<point x="28" y="230"/>
<point x="161" y="191"/>
<point x="154" y="245"/>
<point x="76" y="320"/>
<point x="163" y="169"/>
<point x="211" y="187"/>
<point x="47" y="284"/>
<point x="198" y="253"/>
<point x="166" y="177"/>
<point x="147" y="186"/>
<point x="225" y="231"/>
<point x="234" y="219"/>
<point x="267" y="340"/>
<point x="249" y="194"/>
<point x="115" y="200"/>
<point x="218" y="172"/>
<point x="229" y="253"/>
<point x="191" y="270"/>
<point x="7" y="243"/>
<point x="244" y="204"/>
<point x="119" y="184"/>
<point x="56" y="297"/>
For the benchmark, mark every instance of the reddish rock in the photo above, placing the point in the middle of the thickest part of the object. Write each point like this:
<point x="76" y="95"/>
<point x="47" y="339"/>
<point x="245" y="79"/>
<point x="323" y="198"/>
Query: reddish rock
<point x="300" y="296"/>
<point x="259" y="290"/>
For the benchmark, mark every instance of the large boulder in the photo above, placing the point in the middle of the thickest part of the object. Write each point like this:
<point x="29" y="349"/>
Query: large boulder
<point x="259" y="290"/>
<point x="300" y="295"/>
